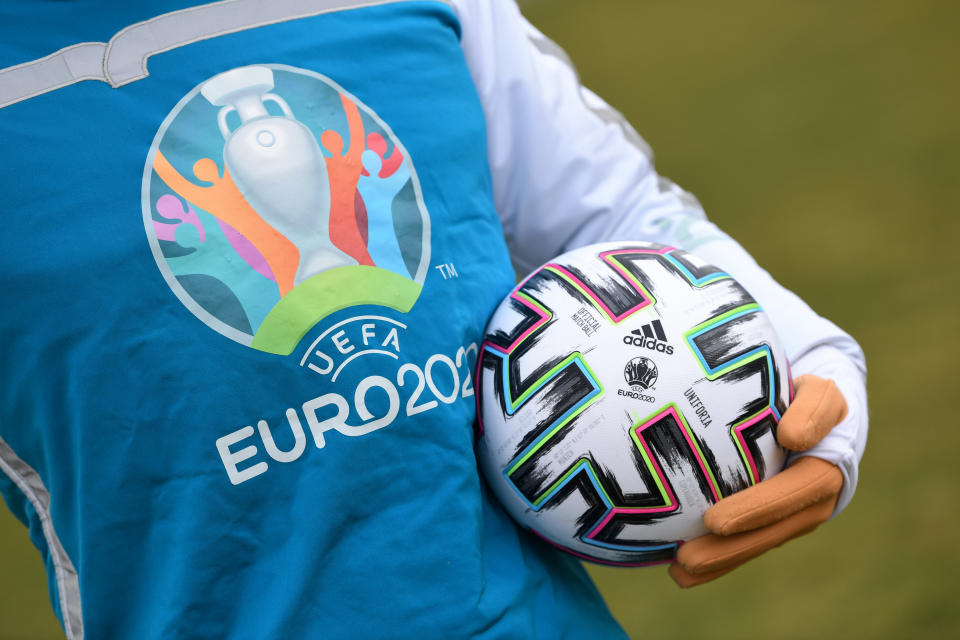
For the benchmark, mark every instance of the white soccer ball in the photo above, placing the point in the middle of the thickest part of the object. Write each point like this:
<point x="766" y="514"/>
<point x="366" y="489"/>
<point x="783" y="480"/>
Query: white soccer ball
<point x="624" y="388"/>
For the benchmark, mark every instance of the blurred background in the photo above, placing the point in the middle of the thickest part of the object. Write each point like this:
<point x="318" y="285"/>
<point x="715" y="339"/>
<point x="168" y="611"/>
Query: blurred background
<point x="823" y="136"/>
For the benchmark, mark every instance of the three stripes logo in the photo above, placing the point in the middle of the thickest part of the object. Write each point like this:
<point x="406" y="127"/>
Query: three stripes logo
<point x="650" y="336"/>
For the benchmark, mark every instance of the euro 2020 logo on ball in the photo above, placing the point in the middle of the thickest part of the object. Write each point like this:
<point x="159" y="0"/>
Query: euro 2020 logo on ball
<point x="273" y="198"/>
<point x="640" y="372"/>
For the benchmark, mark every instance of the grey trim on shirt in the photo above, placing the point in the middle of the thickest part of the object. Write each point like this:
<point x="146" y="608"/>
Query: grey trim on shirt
<point x="28" y="481"/>
<point x="124" y="58"/>
<point x="606" y="113"/>
<point x="609" y="115"/>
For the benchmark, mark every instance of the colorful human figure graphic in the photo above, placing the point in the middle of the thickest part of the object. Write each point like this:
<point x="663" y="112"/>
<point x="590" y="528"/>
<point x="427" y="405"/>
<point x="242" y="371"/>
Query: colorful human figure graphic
<point x="375" y="142"/>
<point x="213" y="255"/>
<point x="344" y="169"/>
<point x="246" y="250"/>
<point x="224" y="200"/>
<point x="378" y="194"/>
<point x="391" y="163"/>
<point x="171" y="208"/>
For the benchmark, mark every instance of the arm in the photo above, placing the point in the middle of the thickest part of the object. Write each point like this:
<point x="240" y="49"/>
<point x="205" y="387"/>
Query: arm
<point x="569" y="171"/>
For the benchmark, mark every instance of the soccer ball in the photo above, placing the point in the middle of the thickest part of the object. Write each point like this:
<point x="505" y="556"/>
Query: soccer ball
<point x="623" y="389"/>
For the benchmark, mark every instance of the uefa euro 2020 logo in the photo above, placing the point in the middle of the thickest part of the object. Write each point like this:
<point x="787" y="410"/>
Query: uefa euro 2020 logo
<point x="273" y="198"/>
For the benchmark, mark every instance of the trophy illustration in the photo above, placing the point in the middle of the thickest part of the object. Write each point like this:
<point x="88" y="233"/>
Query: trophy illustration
<point x="277" y="165"/>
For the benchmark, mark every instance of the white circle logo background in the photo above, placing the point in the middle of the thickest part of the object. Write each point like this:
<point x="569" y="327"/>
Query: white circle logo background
<point x="272" y="197"/>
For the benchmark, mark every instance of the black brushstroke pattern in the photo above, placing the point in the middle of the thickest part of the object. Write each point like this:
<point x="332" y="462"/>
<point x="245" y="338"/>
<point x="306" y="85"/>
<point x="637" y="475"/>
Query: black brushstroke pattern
<point x="698" y="272"/>
<point x="504" y="339"/>
<point x="494" y="363"/>
<point x="720" y="344"/>
<point x="580" y="482"/>
<point x="615" y="291"/>
<point x="778" y="383"/>
<point x="739" y="298"/>
<point x="633" y="264"/>
<point x="758" y="404"/>
<point x="671" y="449"/>
<point x="752" y="434"/>
<point x="541" y="281"/>
<point x="651" y="556"/>
<point x="563" y="392"/>
<point x="518" y="383"/>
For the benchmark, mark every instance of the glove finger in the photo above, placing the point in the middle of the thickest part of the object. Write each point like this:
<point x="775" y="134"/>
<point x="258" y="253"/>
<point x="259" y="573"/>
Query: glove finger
<point x="712" y="553"/>
<point x="807" y="481"/>
<point x="817" y="407"/>
<point x="685" y="579"/>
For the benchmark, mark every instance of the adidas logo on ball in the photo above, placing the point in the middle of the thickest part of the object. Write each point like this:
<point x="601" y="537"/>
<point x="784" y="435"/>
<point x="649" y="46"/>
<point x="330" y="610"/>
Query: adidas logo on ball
<point x="650" y="336"/>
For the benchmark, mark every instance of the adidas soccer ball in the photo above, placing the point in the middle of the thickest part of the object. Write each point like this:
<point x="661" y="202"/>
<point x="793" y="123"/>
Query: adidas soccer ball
<point x="623" y="389"/>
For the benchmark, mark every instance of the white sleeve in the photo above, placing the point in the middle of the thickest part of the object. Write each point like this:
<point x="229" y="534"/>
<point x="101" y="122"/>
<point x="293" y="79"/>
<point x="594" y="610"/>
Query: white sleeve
<point x="569" y="171"/>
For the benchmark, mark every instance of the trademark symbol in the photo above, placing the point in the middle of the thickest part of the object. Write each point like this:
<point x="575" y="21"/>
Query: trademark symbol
<point x="447" y="270"/>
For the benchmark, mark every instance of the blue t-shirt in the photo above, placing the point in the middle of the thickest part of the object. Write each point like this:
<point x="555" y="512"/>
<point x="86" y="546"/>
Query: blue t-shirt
<point x="248" y="253"/>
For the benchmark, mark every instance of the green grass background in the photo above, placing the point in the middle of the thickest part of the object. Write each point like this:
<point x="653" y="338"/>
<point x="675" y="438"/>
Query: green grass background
<point x="824" y="136"/>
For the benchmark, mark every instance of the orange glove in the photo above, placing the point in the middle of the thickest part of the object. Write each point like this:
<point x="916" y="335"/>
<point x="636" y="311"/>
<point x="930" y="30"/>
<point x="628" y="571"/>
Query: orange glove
<point x="793" y="502"/>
